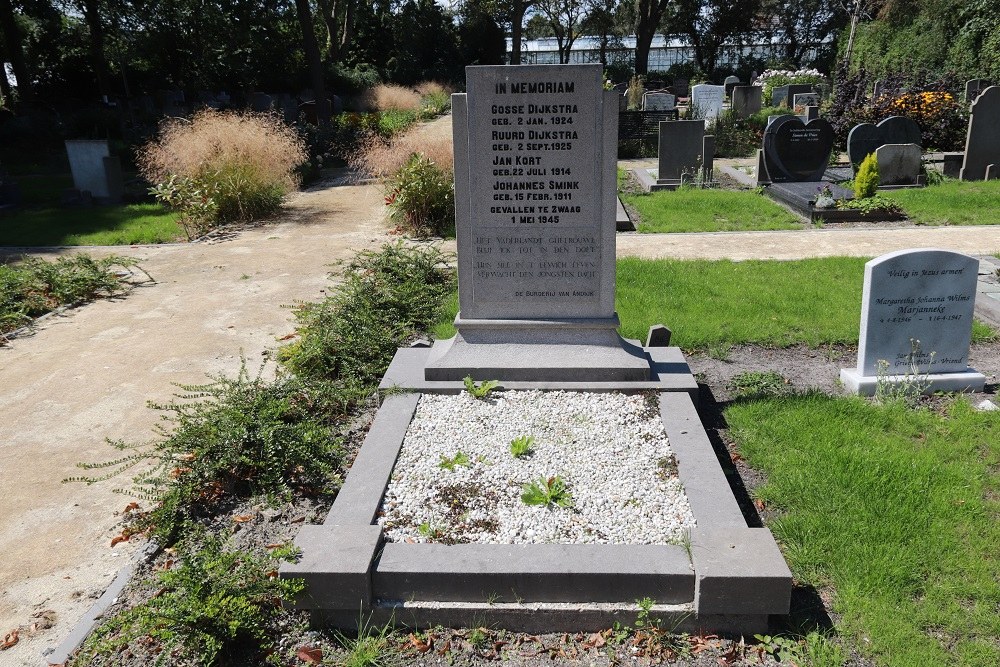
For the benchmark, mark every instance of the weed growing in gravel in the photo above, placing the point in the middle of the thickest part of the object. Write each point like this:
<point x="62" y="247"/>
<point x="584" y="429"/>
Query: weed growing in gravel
<point x="210" y="603"/>
<point x="481" y="389"/>
<point x="547" y="491"/>
<point x="370" y="648"/>
<point x="521" y="446"/>
<point x="450" y="463"/>
<point x="757" y="384"/>
<point x="908" y="387"/>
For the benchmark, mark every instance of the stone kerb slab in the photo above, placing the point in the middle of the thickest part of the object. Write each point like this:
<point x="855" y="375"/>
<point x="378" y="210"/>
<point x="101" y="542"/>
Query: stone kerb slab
<point x="658" y="101"/>
<point x="865" y="138"/>
<point x="916" y="322"/>
<point x="535" y="200"/>
<point x="982" y="142"/>
<point x="706" y="100"/>
<point x="747" y="100"/>
<point x="898" y="164"/>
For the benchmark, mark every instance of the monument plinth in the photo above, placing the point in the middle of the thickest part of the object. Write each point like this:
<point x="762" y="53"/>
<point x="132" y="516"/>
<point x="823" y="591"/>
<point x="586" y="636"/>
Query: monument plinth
<point x="535" y="223"/>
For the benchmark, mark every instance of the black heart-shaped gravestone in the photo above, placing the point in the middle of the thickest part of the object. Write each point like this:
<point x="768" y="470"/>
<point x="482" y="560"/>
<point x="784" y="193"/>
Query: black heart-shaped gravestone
<point x="797" y="151"/>
<point x="865" y="138"/>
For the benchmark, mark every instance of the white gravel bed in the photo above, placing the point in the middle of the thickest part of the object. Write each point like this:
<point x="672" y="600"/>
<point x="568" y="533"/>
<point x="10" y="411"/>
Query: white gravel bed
<point x="610" y="449"/>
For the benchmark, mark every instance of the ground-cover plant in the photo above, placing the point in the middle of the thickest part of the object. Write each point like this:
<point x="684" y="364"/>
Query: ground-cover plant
<point x="758" y="384"/>
<point x="479" y="389"/>
<point x="547" y="491"/>
<point x="221" y="167"/>
<point x="232" y="439"/>
<point x="34" y="286"/>
<point x="98" y="225"/>
<point x="384" y="300"/>
<point x="449" y="463"/>
<point x="708" y="210"/>
<point x="521" y="446"/>
<point x="951" y="202"/>
<point x="896" y="509"/>
<point x="210" y="604"/>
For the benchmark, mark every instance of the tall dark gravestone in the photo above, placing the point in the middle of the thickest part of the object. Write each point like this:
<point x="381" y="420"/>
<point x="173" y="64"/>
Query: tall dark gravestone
<point x="535" y="151"/>
<point x="795" y="151"/>
<point x="865" y="138"/>
<point x="982" y="142"/>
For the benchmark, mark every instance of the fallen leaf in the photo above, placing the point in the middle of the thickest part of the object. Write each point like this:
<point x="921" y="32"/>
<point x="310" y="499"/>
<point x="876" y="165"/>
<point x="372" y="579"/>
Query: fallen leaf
<point x="119" y="538"/>
<point x="242" y="518"/>
<point x="310" y="654"/>
<point x="759" y="504"/>
<point x="131" y="507"/>
<point x="9" y="640"/>
<point x="288" y="336"/>
<point x="595" y="640"/>
<point x="275" y="545"/>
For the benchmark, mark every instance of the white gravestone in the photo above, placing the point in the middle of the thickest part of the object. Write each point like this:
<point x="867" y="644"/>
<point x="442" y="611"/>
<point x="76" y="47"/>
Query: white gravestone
<point x="916" y="322"/>
<point x="706" y="100"/>
<point x="535" y="150"/>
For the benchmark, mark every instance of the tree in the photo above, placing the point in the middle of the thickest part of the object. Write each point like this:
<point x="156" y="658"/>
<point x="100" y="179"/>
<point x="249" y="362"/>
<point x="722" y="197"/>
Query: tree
<point x="648" y="15"/>
<point x="564" y="17"/>
<point x="13" y="41"/>
<point x="602" y="21"/>
<point x="481" y="39"/>
<point x="801" y="25"/>
<point x="313" y="58"/>
<point x="514" y="11"/>
<point x="708" y="25"/>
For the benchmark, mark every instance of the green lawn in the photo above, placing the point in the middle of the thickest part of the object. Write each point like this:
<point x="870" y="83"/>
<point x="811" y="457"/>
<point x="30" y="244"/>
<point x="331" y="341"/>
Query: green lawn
<point x="698" y="210"/>
<point x="713" y="304"/>
<point x="97" y="225"/>
<point x="951" y="203"/>
<point x="897" y="509"/>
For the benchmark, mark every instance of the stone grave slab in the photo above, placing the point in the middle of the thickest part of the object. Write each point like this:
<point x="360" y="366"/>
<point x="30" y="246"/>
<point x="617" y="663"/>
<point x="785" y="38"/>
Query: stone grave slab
<point x="898" y="164"/>
<point x="797" y="151"/>
<point x="706" y="100"/>
<point x="916" y="322"/>
<point x="982" y="142"/>
<point x="864" y="138"/>
<point x="680" y="149"/>
<point x="746" y="100"/>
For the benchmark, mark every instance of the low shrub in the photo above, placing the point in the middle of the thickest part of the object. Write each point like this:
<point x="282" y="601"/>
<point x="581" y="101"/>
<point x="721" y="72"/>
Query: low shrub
<point x="387" y="96"/>
<point x="866" y="181"/>
<point x="735" y="136"/>
<point x="34" y="286"/>
<point x="421" y="196"/>
<point x="221" y="167"/>
<point x="211" y="604"/>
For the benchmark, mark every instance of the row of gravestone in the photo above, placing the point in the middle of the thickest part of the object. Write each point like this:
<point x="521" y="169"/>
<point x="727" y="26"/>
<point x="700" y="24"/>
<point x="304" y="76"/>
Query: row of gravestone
<point x="176" y="103"/>
<point x="973" y="89"/>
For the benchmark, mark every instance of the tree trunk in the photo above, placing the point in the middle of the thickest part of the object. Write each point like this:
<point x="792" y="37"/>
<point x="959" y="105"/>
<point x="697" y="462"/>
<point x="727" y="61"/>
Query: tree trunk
<point x="311" y="47"/>
<point x="516" y="30"/>
<point x="643" y="40"/>
<point x="95" y="48"/>
<point x="328" y="12"/>
<point x="15" y="51"/>
<point x="348" y="33"/>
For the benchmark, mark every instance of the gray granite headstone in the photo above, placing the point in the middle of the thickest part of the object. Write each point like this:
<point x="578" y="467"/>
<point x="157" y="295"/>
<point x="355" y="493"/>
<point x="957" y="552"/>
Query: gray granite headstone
<point x="535" y="158"/>
<point x="708" y="158"/>
<point x="260" y="102"/>
<point x="864" y="138"/>
<point x="982" y="143"/>
<point x="877" y="90"/>
<point x="974" y="88"/>
<point x="658" y="101"/>
<point x="682" y="87"/>
<point x="94" y="169"/>
<point x="680" y="149"/>
<point x="746" y="100"/>
<point x="812" y="113"/>
<point x="706" y="100"/>
<point x="916" y="317"/>
<point x="898" y="164"/>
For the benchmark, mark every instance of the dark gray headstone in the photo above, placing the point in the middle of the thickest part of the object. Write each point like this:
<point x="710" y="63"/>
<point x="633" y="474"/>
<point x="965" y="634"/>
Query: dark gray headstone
<point x="863" y="139"/>
<point x="730" y="83"/>
<point x="680" y="148"/>
<point x="708" y="158"/>
<point x="898" y="164"/>
<point x="682" y="87"/>
<point x="260" y="102"/>
<point x="746" y="100"/>
<point x="974" y="88"/>
<point x="658" y="336"/>
<point x="877" y="90"/>
<point x="812" y="113"/>
<point x="982" y="143"/>
<point x="797" y="151"/>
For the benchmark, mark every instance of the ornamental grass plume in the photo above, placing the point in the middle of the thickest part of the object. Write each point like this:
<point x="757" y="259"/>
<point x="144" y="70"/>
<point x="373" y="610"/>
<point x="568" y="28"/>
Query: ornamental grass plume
<point x="244" y="163"/>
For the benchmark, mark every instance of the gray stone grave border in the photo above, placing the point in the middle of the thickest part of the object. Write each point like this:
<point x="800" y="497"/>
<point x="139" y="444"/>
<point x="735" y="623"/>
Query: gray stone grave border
<point x="728" y="578"/>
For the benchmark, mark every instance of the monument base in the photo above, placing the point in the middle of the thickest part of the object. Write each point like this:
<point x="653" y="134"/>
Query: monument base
<point x="567" y="350"/>
<point x="866" y="385"/>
